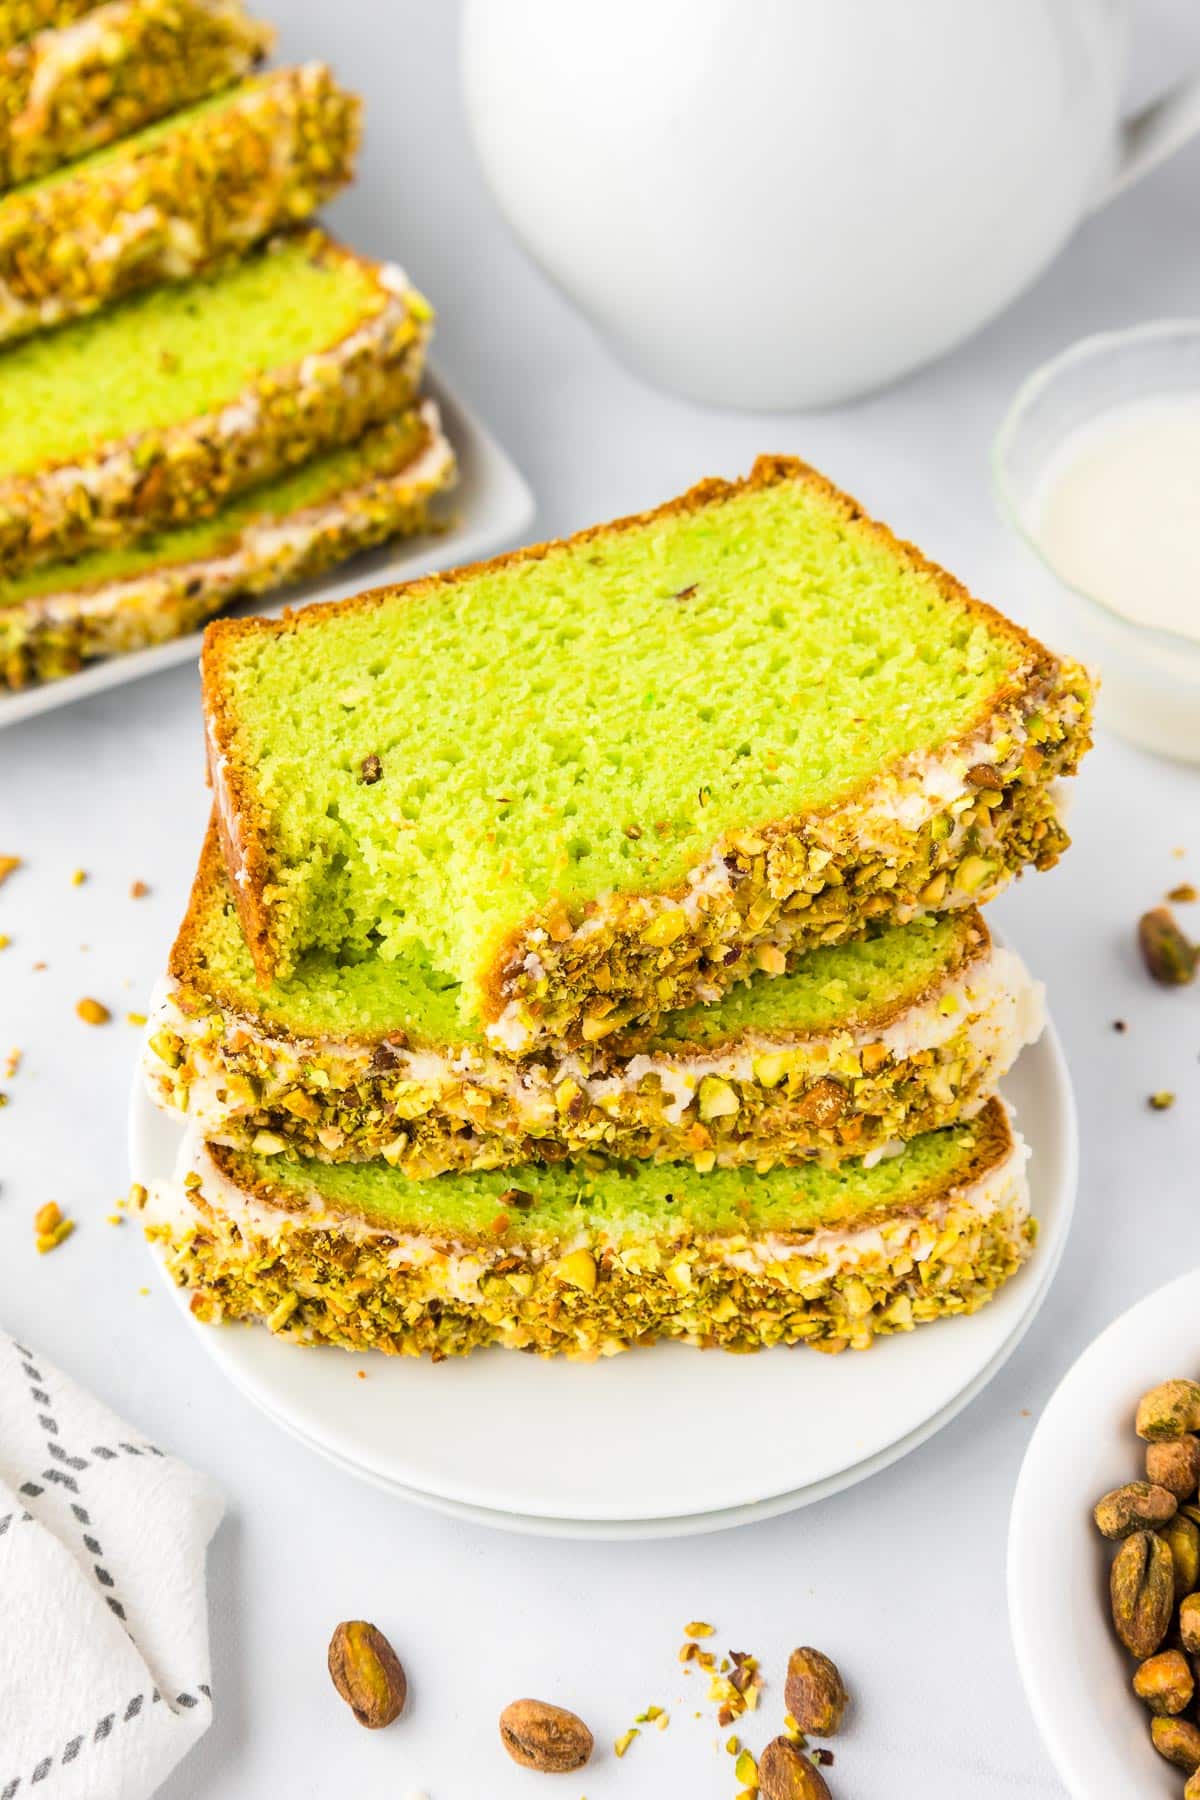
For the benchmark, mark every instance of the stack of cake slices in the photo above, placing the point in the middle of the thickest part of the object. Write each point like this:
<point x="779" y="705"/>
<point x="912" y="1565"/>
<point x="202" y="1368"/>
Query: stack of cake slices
<point x="586" y="946"/>
<point x="202" y="396"/>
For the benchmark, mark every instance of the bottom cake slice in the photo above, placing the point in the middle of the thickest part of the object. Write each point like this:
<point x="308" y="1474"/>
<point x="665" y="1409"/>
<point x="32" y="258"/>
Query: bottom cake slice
<point x="56" y="617"/>
<point x="570" y="1259"/>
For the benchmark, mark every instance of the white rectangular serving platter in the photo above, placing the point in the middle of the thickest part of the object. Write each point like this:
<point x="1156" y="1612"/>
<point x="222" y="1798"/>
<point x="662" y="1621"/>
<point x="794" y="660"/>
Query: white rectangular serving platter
<point x="491" y="505"/>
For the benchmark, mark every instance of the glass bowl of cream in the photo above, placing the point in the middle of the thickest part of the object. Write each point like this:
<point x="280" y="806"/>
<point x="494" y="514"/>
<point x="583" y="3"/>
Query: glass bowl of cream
<point x="1097" y="465"/>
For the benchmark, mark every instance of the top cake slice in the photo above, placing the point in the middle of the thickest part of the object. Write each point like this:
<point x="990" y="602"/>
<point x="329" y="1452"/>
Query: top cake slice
<point x="598" y="779"/>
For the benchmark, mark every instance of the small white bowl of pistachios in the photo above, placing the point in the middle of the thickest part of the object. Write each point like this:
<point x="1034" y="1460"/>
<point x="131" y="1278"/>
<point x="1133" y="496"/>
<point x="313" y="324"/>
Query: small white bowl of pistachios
<point x="1104" y="1552"/>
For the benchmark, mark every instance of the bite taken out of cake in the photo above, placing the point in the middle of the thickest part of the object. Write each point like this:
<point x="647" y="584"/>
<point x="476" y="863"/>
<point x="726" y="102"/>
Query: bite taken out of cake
<point x="861" y="1047"/>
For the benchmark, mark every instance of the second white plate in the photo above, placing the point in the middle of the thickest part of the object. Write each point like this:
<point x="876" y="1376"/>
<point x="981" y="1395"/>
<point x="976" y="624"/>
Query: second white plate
<point x="659" y="1435"/>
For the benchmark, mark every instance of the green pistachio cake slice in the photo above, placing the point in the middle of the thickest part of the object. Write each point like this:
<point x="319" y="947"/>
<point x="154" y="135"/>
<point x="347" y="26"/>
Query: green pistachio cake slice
<point x="155" y="412"/>
<point x="175" y="199"/>
<point x="67" y="92"/>
<point x="862" y="1046"/>
<point x="584" y="1261"/>
<point x="618" y="770"/>
<point x="59" y="616"/>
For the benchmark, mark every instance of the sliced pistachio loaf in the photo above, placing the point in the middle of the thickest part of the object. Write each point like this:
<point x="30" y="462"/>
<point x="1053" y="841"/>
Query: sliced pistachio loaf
<point x="55" y="618"/>
<point x="67" y="92"/>
<point x="153" y="413"/>
<point x="585" y="1261"/>
<point x="175" y="199"/>
<point x="617" y="770"/>
<point x="21" y="19"/>
<point x="864" y="1045"/>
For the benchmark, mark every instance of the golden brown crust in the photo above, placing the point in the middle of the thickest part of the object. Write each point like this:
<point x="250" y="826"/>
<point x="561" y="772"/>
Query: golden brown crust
<point x="249" y="858"/>
<point x="993" y="1143"/>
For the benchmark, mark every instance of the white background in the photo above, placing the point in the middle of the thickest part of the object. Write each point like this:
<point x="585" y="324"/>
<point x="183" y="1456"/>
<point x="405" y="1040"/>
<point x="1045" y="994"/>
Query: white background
<point x="901" y="1579"/>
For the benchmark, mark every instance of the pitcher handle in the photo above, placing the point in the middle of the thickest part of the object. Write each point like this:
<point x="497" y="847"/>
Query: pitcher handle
<point x="1148" y="137"/>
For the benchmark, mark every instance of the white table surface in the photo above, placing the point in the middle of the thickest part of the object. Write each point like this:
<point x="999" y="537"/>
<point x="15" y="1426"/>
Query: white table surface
<point x="901" y="1579"/>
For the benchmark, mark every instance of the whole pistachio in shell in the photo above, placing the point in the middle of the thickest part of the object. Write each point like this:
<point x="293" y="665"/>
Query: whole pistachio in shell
<point x="1170" y="1410"/>
<point x="1165" y="1682"/>
<point x="1168" y="955"/>
<point x="367" y="1673"/>
<point x="1138" y="1506"/>
<point x="1183" y="1539"/>
<point x="1142" y="1586"/>
<point x="815" y="1693"/>
<point x="1175" y="1464"/>
<point x="541" y="1736"/>
<point x="1179" y="1741"/>
<point x="785" y="1773"/>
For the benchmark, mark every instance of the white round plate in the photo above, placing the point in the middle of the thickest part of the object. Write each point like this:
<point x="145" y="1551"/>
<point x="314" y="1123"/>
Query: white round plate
<point x="1075" y="1672"/>
<point x="643" y="1437"/>
<point x="696" y="1524"/>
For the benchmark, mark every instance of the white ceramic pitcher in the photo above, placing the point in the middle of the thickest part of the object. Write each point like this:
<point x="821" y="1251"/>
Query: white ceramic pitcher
<point x="782" y="203"/>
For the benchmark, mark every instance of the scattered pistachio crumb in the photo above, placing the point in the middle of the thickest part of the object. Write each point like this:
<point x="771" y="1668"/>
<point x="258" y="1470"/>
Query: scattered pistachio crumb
<point x="698" y="1629"/>
<point x="50" y="1227"/>
<point x="79" y="877"/>
<point x="135" y="1018"/>
<point x="137" y="1195"/>
<point x="5" y="940"/>
<point x="115" y="1219"/>
<point x="746" y="1769"/>
<point x="1120" y="1025"/>
<point x="93" y="1012"/>
<point x="3" y="1098"/>
<point x="12" y="1063"/>
<point x="1162" y="1100"/>
<point x="733" y="1744"/>
<point x="1184" y="894"/>
<point x="626" y="1738"/>
<point x="138" y="890"/>
<point x="8" y="866"/>
<point x="361" y="1373"/>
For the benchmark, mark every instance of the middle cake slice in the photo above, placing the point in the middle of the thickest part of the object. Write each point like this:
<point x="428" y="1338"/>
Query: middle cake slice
<point x="861" y="1047"/>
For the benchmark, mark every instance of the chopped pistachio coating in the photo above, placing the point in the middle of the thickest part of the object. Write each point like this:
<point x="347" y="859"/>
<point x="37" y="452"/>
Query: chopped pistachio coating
<point x="177" y="198"/>
<point x="21" y="19"/>
<point x="59" y="617"/>
<point x="68" y="92"/>
<point x="778" y="1099"/>
<point x="797" y="888"/>
<point x="860" y="1046"/>
<point x="315" y="1288"/>
<point x="291" y="352"/>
